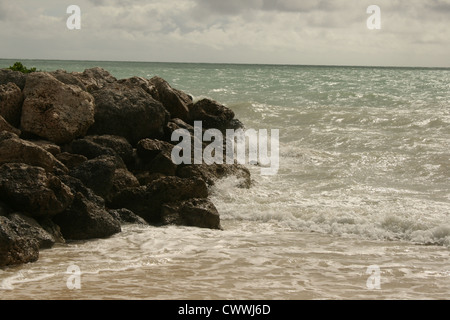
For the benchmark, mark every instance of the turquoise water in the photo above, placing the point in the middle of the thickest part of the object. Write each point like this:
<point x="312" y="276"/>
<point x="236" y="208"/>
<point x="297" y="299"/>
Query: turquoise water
<point x="364" y="163"/>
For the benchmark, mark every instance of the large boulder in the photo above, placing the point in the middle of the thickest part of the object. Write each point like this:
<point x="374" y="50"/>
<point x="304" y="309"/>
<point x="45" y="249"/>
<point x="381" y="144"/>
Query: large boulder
<point x="16" y="77"/>
<point x="31" y="190"/>
<point x="55" y="111"/>
<point x="15" y="150"/>
<point x="129" y="112"/>
<point x="146" y="201"/>
<point x="85" y="220"/>
<point x="14" y="248"/>
<point x="11" y="99"/>
<point x="212" y="114"/>
<point x="125" y="216"/>
<point x="175" y="101"/>
<point x="192" y="213"/>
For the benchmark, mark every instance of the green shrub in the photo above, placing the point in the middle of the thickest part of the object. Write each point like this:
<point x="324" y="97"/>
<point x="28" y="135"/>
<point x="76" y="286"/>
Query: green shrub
<point x="18" y="66"/>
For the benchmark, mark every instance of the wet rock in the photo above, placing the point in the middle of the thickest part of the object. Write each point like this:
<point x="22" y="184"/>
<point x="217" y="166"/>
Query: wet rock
<point x="128" y="112"/>
<point x="123" y="179"/>
<point x="31" y="190"/>
<point x="211" y="173"/>
<point x="175" y="101"/>
<point x="27" y="227"/>
<point x="192" y="213"/>
<point x="15" y="150"/>
<point x="146" y="201"/>
<point x="55" y="111"/>
<point x="15" y="249"/>
<point x="11" y="100"/>
<point x="85" y="220"/>
<point x="125" y="216"/>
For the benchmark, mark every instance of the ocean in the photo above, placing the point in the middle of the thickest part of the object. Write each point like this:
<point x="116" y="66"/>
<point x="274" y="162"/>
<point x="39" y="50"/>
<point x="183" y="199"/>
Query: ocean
<point x="359" y="209"/>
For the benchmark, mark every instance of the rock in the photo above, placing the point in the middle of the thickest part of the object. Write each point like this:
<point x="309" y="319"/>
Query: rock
<point x="156" y="156"/>
<point x="123" y="179"/>
<point x="76" y="186"/>
<point x="69" y="78"/>
<point x="175" y="101"/>
<point x="33" y="191"/>
<point x="48" y="146"/>
<point x="55" y="111"/>
<point x="15" y="150"/>
<point x="97" y="174"/>
<point x="5" y="126"/>
<point x="11" y="99"/>
<point x="28" y="227"/>
<point x="125" y="216"/>
<point x="71" y="160"/>
<point x="212" y="114"/>
<point x="16" y="77"/>
<point x="95" y="78"/>
<point x="96" y="146"/>
<point x="128" y="112"/>
<point x="85" y="220"/>
<point x="146" y="201"/>
<point x="15" y="249"/>
<point x="192" y="213"/>
<point x="52" y="229"/>
<point x="4" y="209"/>
<point x="213" y="172"/>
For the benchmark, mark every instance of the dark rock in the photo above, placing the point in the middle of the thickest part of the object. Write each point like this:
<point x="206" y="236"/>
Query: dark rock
<point x="53" y="229"/>
<point x="123" y="179"/>
<point x="6" y="126"/>
<point x="4" y="209"/>
<point x="214" y="172"/>
<point x="32" y="190"/>
<point x="71" y="160"/>
<point x="192" y="213"/>
<point x="76" y="186"/>
<point x="96" y="174"/>
<point x="146" y="177"/>
<point x="212" y="114"/>
<point x="128" y="112"/>
<point x="11" y="100"/>
<point x="55" y="111"/>
<point x="15" y="150"/>
<point x="16" y="77"/>
<point x="89" y="149"/>
<point x="146" y="201"/>
<point x="175" y="101"/>
<point x="125" y="216"/>
<point x="15" y="249"/>
<point x="28" y="227"/>
<point x="85" y="220"/>
<point x="156" y="156"/>
<point x="69" y="78"/>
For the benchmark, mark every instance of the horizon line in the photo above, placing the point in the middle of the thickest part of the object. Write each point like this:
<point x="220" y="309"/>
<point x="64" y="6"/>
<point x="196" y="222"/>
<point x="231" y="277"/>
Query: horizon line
<point x="235" y="63"/>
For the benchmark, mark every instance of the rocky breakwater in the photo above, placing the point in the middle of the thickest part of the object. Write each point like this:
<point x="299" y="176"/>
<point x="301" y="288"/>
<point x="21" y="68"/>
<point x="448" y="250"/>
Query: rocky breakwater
<point x="83" y="153"/>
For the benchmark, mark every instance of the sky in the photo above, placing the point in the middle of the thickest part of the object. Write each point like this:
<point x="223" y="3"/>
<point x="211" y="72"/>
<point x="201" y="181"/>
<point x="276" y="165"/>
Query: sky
<point x="322" y="32"/>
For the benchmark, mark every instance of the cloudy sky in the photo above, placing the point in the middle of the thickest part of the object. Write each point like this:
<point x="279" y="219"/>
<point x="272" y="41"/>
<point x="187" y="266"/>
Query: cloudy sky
<point x="321" y="32"/>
